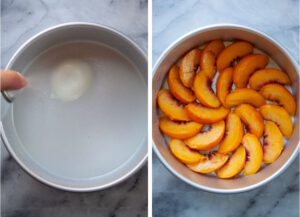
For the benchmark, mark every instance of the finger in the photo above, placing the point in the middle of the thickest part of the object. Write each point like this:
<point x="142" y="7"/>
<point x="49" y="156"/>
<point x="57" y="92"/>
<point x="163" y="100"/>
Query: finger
<point x="12" y="80"/>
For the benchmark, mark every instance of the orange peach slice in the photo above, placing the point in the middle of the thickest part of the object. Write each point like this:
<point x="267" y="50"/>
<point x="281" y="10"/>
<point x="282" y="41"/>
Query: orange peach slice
<point x="246" y="67"/>
<point x="212" y="162"/>
<point x="188" y="67"/>
<point x="205" y="115"/>
<point x="234" y="134"/>
<point x="254" y="154"/>
<point x="206" y="140"/>
<point x="270" y="75"/>
<point x="178" y="90"/>
<point x="224" y="83"/>
<point x="171" y="107"/>
<point x="273" y="142"/>
<point x="179" y="129"/>
<point x="232" y="52"/>
<point x="184" y="153"/>
<point x="244" y="95"/>
<point x="204" y="92"/>
<point x="251" y="118"/>
<point x="234" y="165"/>
<point x="215" y="46"/>
<point x="208" y="64"/>
<point x="278" y="93"/>
<point x="280" y="116"/>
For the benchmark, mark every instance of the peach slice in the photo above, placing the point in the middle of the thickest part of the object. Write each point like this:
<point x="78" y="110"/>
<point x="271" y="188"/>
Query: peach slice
<point x="224" y="83"/>
<point x="171" y="107"/>
<point x="234" y="134"/>
<point x="270" y="75"/>
<point x="184" y="153"/>
<point x="204" y="92"/>
<point x="212" y="162"/>
<point x="188" y="67"/>
<point x="254" y="154"/>
<point x="215" y="46"/>
<point x="205" y="115"/>
<point x="234" y="165"/>
<point x="244" y="95"/>
<point x="246" y="67"/>
<point x="232" y="52"/>
<point x="178" y="90"/>
<point x="251" y="118"/>
<point x="206" y="140"/>
<point x="208" y="64"/>
<point x="273" y="142"/>
<point x="278" y="93"/>
<point x="179" y="129"/>
<point x="280" y="116"/>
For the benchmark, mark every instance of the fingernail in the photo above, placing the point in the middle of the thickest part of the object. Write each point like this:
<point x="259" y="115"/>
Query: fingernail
<point x="23" y="79"/>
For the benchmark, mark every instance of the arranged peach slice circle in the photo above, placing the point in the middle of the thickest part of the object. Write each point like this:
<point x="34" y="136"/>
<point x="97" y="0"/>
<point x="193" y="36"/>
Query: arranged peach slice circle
<point x="171" y="107"/>
<point x="252" y="119"/>
<point x="204" y="92"/>
<point x="215" y="46"/>
<point x="224" y="83"/>
<point x="244" y="95"/>
<point x="246" y="67"/>
<point x="232" y="52"/>
<point x="278" y="93"/>
<point x="206" y="140"/>
<point x="269" y="75"/>
<point x="212" y="162"/>
<point x="178" y="90"/>
<point x="188" y="67"/>
<point x="205" y="115"/>
<point x="184" y="153"/>
<point x="280" y="116"/>
<point x="254" y="154"/>
<point x="208" y="64"/>
<point x="234" y="165"/>
<point x="233" y="135"/>
<point x="179" y="129"/>
<point x="273" y="142"/>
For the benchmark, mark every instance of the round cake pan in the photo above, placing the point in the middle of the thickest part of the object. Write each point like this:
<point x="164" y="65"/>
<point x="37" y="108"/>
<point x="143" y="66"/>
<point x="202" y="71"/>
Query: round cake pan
<point x="38" y="44"/>
<point x="227" y="33"/>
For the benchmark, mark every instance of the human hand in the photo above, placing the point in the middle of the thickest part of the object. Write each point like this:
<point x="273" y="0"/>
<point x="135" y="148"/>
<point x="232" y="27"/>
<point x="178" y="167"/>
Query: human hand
<point x="12" y="80"/>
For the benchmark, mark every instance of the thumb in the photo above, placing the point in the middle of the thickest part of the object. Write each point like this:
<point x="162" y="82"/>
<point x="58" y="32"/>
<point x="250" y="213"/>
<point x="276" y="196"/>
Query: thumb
<point x="12" y="80"/>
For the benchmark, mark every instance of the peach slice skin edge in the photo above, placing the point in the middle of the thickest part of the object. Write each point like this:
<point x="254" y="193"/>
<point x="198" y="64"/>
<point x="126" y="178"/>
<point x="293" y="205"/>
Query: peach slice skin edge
<point x="188" y="67"/>
<point x="209" y="139"/>
<point x="178" y="90"/>
<point x="212" y="162"/>
<point x="233" y="51"/>
<point x="251" y="118"/>
<point x="234" y="165"/>
<point x="266" y="76"/>
<point x="280" y="116"/>
<point x="206" y="115"/>
<point x="246" y="67"/>
<point x="278" y="93"/>
<point x="233" y="135"/>
<point x="224" y="84"/>
<point x="273" y="142"/>
<point x="171" y="107"/>
<point x="179" y="129"/>
<point x="242" y="96"/>
<point x="204" y="92"/>
<point x="184" y="153"/>
<point x="254" y="154"/>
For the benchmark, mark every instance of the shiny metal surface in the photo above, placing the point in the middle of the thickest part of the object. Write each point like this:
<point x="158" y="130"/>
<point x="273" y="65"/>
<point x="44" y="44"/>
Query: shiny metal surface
<point x="32" y="48"/>
<point x="172" y="54"/>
